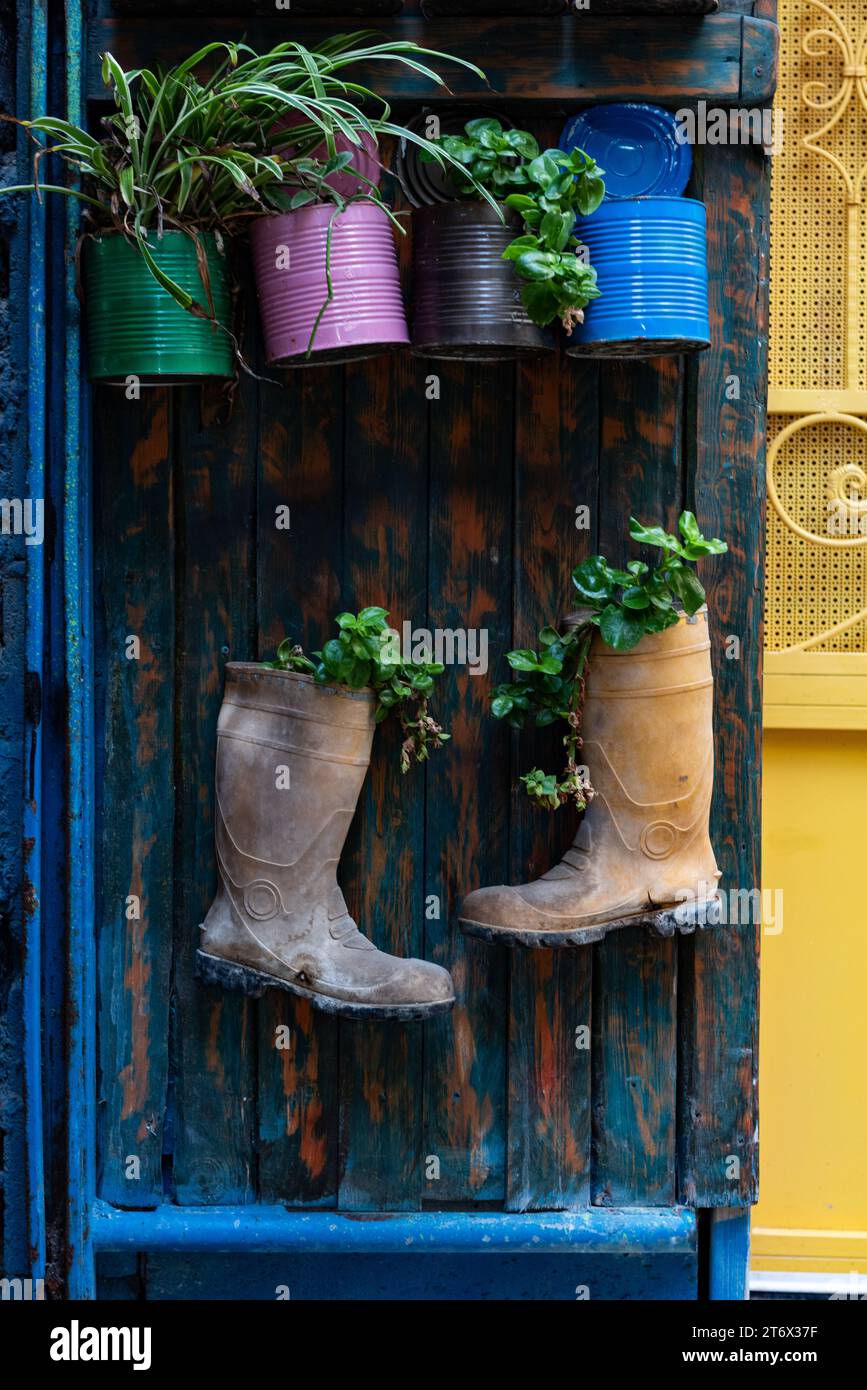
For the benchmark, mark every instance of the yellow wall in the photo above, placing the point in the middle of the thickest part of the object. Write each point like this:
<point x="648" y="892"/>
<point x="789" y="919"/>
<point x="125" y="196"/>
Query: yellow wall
<point x="813" y="1130"/>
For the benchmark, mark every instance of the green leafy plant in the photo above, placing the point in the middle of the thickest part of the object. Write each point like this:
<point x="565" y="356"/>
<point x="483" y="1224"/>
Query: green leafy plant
<point x="624" y="605"/>
<point x="548" y="189"/>
<point x="549" y="688"/>
<point x="365" y="654"/>
<point x="223" y="136"/>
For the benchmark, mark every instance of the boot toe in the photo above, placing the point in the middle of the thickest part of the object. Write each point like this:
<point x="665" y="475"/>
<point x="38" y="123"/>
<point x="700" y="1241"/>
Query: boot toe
<point x="426" y="983"/>
<point x="499" y="906"/>
<point x="395" y="982"/>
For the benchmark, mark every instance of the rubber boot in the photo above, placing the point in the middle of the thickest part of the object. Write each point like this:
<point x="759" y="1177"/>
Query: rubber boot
<point x="291" y="759"/>
<point x="643" y="851"/>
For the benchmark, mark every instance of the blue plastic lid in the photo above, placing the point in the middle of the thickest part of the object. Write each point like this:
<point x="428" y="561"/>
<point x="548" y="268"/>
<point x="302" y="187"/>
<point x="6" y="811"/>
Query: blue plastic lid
<point x="637" y="146"/>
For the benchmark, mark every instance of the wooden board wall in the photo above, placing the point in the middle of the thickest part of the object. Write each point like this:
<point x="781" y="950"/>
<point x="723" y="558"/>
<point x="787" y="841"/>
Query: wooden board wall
<point x="458" y="511"/>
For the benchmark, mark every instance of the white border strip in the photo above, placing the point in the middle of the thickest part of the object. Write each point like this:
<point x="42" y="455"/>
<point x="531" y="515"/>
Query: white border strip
<point x="797" y="1281"/>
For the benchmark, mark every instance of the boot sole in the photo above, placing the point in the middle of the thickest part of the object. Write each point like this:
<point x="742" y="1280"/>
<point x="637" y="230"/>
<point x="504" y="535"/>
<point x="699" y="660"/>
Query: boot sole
<point x="228" y="974"/>
<point x="664" y="921"/>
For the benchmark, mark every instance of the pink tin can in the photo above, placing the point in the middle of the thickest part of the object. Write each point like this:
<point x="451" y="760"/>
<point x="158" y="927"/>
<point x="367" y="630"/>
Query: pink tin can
<point x="366" y="166"/>
<point x="366" y="313"/>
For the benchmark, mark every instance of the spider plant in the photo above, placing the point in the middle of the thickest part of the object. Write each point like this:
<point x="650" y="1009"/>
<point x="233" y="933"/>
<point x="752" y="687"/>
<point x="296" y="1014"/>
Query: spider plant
<point x="207" y="144"/>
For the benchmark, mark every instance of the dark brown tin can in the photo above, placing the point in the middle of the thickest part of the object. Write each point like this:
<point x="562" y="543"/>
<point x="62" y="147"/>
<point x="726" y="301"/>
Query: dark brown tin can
<point x="466" y="298"/>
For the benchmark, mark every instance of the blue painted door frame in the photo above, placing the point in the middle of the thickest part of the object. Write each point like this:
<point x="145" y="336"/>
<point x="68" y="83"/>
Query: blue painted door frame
<point x="58" y="464"/>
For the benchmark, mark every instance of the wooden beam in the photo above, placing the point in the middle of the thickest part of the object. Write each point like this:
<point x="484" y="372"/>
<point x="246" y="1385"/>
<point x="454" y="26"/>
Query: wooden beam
<point x="728" y="58"/>
<point x="718" y="981"/>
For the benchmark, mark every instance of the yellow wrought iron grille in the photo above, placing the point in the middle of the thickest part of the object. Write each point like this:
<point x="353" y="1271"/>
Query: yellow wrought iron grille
<point x="811" y="588"/>
<point x="816" y="585"/>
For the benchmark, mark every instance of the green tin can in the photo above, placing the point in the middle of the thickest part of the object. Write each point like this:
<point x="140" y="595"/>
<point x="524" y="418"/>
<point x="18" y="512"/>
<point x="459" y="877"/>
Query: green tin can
<point x="135" y="327"/>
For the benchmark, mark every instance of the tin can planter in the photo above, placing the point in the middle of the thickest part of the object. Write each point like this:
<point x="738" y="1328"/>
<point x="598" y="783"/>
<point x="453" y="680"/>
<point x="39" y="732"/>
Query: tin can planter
<point x="365" y="314"/>
<point x="366" y="165"/>
<point x="425" y="183"/>
<point x="650" y="256"/>
<point x="135" y="327"/>
<point x="466" y="298"/>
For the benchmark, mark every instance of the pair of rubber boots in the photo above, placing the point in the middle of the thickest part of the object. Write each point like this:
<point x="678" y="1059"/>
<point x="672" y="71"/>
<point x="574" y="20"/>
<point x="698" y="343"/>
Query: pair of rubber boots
<point x="291" y="760"/>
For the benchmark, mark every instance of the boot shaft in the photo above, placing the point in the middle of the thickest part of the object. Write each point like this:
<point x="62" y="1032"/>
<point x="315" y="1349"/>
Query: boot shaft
<point x="650" y="711"/>
<point x="648" y="743"/>
<point x="291" y="759"/>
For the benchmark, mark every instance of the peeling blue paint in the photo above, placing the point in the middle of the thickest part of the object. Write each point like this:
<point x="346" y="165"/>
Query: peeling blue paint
<point x="274" y="1230"/>
<point x="34" y="655"/>
<point x="21" y="459"/>
<point x="77" y="561"/>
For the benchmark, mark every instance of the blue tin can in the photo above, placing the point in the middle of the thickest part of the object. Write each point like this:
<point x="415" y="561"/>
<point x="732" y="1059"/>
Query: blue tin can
<point x="636" y="144"/>
<point x="650" y="256"/>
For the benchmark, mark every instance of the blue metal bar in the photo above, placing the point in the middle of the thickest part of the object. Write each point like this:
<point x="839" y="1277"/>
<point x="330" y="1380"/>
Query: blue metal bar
<point x="77" y="550"/>
<point x="729" y="1253"/>
<point x="34" y="651"/>
<point x="276" y="1230"/>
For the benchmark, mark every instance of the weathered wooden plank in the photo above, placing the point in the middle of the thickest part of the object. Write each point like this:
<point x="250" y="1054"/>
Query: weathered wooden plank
<point x="671" y="60"/>
<point x="652" y="9"/>
<point x="720" y="1035"/>
<point x="549" y="1080"/>
<point x="549" y="1058"/>
<point x="214" y="1156"/>
<point x="635" y="1057"/>
<point x="634" y="988"/>
<point x="135" y="606"/>
<point x="298" y="594"/>
<point x="471" y="448"/>
<point x="759" y="59"/>
<point x="332" y="9"/>
<point x="381" y="1075"/>
<point x="433" y="9"/>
